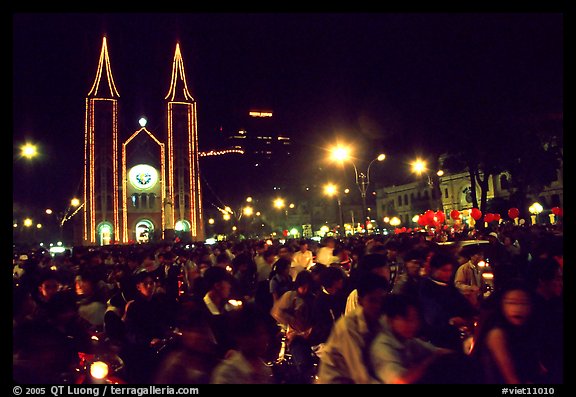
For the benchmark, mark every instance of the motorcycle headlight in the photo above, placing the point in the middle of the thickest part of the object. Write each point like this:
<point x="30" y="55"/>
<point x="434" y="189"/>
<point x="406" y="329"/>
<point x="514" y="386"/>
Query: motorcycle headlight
<point x="99" y="370"/>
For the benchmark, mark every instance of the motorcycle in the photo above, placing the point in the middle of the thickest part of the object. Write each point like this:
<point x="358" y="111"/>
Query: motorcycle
<point x="101" y="364"/>
<point x="287" y="370"/>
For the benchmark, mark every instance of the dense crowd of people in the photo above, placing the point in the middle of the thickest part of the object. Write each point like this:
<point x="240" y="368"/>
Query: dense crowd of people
<point x="400" y="308"/>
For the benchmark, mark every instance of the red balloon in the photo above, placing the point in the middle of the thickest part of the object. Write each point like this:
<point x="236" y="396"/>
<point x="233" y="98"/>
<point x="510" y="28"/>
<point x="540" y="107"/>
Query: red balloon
<point x="440" y="216"/>
<point x="496" y="217"/>
<point x="429" y="215"/>
<point x="422" y="220"/>
<point x="489" y="217"/>
<point x="513" y="213"/>
<point x="476" y="214"/>
<point x="455" y="214"/>
<point x="557" y="211"/>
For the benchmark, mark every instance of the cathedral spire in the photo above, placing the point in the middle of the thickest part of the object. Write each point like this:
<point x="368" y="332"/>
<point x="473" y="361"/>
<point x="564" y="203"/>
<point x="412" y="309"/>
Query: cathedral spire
<point x="178" y="75"/>
<point x="104" y="90"/>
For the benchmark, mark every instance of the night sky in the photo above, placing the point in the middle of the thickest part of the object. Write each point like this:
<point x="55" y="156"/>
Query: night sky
<point x="399" y="83"/>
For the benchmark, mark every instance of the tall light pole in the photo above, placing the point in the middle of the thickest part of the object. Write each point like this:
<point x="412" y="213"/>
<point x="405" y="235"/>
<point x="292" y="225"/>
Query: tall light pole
<point x="332" y="190"/>
<point x="342" y="154"/>
<point x="420" y="167"/>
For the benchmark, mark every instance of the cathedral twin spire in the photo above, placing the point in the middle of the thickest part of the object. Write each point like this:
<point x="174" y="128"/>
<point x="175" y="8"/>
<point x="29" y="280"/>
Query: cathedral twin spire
<point x="104" y="87"/>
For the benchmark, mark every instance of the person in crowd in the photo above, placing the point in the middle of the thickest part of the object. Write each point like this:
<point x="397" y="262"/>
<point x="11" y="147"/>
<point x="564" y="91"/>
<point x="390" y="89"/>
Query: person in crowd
<point x="344" y="359"/>
<point x="293" y="312"/>
<point x="397" y="354"/>
<point x="211" y="309"/>
<point x="48" y="286"/>
<point x="328" y="306"/>
<point x="124" y="291"/>
<point x="245" y="277"/>
<point x="444" y="308"/>
<point x="285" y="251"/>
<point x="224" y="261"/>
<point x="263" y="268"/>
<point x="370" y="264"/>
<point x="301" y="260"/>
<point x="468" y="278"/>
<point x="91" y="298"/>
<point x="325" y="254"/>
<point x="548" y="310"/>
<point x="194" y="357"/>
<point x="147" y="318"/>
<point x="281" y="280"/>
<point x="500" y="260"/>
<point x="408" y="283"/>
<point x="507" y="344"/>
<point x="245" y="363"/>
<point x="394" y="259"/>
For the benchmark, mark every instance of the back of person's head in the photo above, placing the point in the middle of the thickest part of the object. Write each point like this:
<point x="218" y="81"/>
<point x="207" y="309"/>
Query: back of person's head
<point x="442" y="257"/>
<point x="543" y="271"/>
<point x="368" y="283"/>
<point x="372" y="261"/>
<point x="414" y="254"/>
<point x="470" y="250"/>
<point x="269" y="253"/>
<point x="281" y="265"/>
<point x="223" y="258"/>
<point x="331" y="275"/>
<point x="243" y="259"/>
<point x="392" y="245"/>
<point x="303" y="278"/>
<point x="398" y="304"/>
<point x="214" y="275"/>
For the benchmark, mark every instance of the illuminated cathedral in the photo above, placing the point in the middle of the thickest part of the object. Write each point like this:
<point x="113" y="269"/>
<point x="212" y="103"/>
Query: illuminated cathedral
<point x="146" y="188"/>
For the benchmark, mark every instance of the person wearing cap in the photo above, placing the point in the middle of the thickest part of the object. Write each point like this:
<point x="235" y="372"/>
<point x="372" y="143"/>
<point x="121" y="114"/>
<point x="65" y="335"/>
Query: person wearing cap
<point x="147" y="318"/>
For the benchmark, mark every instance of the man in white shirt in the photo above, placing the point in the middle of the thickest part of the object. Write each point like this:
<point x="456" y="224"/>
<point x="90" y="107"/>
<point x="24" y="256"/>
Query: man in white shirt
<point x="301" y="259"/>
<point x="325" y="254"/>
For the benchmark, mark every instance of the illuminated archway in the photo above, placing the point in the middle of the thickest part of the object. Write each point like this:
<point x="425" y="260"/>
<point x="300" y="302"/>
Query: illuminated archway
<point x="105" y="233"/>
<point x="144" y="230"/>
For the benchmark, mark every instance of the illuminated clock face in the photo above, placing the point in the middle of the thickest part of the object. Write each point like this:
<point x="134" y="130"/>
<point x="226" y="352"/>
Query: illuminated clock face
<point x="143" y="176"/>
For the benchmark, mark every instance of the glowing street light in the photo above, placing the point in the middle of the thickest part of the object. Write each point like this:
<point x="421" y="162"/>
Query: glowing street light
<point x="29" y="150"/>
<point x="341" y="153"/>
<point x="28" y="222"/>
<point x="75" y="202"/>
<point x="248" y="211"/>
<point x="418" y="166"/>
<point x="332" y="190"/>
<point x="279" y="203"/>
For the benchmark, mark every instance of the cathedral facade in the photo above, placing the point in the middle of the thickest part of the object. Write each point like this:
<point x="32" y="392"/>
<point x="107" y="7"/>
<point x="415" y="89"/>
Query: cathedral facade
<point x="146" y="188"/>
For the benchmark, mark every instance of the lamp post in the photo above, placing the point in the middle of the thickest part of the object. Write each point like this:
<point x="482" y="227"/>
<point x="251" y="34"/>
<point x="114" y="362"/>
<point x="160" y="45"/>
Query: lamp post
<point x="332" y="190"/>
<point x="535" y="209"/>
<point x="362" y="179"/>
<point x="420" y="167"/>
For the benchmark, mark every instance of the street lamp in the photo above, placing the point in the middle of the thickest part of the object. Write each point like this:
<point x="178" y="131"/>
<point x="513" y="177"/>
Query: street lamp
<point x="28" y="150"/>
<point x="535" y="209"/>
<point x="332" y="190"/>
<point x="342" y="154"/>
